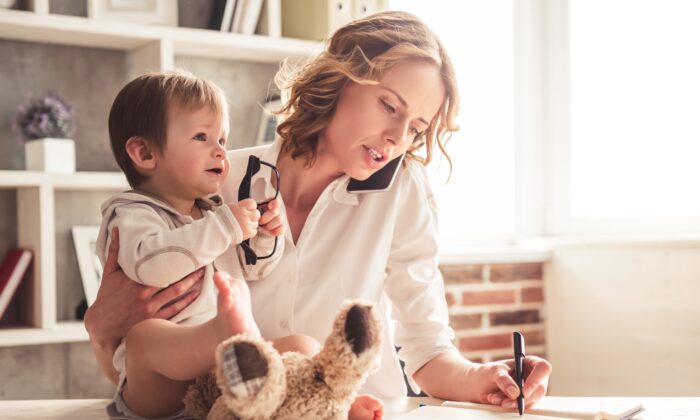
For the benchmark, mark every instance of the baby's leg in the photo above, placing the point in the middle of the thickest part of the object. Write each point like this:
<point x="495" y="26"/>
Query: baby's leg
<point x="303" y="344"/>
<point x="162" y="358"/>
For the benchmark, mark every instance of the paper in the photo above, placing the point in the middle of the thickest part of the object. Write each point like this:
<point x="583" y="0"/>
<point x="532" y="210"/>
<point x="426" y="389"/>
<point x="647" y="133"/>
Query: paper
<point x="563" y="407"/>
<point x="451" y="413"/>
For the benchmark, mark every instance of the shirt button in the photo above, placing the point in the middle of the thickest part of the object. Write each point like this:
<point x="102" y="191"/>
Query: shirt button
<point x="284" y="324"/>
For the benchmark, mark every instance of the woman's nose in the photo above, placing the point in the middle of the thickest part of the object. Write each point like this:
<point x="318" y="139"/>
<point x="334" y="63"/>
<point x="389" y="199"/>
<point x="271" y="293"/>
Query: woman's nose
<point x="398" y="135"/>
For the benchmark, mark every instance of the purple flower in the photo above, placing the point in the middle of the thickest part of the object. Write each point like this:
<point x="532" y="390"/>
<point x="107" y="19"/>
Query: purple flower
<point x="46" y="116"/>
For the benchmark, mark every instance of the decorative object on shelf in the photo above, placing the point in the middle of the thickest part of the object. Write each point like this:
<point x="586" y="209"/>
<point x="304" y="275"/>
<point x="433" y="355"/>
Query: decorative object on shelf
<point x="85" y="240"/>
<point x="46" y="124"/>
<point x="12" y="271"/>
<point x="267" y="129"/>
<point x="318" y="19"/>
<point x="7" y="4"/>
<point x="157" y="12"/>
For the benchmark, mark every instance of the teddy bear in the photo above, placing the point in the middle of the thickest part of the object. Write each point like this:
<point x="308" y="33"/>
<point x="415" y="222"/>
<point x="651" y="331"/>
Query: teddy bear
<point x="251" y="380"/>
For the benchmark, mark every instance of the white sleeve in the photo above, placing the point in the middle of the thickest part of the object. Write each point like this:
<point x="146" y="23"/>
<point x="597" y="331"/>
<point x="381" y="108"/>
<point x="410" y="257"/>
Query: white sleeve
<point x="154" y="255"/>
<point x="233" y="260"/>
<point x="413" y="283"/>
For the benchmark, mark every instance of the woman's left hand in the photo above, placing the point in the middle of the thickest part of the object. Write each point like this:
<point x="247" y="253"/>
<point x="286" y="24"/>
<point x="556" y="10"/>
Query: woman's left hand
<point x="272" y="220"/>
<point x="501" y="389"/>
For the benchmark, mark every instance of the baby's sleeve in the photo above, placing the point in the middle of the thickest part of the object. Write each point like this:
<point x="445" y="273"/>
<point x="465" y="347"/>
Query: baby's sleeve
<point x="153" y="254"/>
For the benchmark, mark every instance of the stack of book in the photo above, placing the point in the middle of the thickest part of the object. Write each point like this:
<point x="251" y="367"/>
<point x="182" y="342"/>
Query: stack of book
<point x="237" y="16"/>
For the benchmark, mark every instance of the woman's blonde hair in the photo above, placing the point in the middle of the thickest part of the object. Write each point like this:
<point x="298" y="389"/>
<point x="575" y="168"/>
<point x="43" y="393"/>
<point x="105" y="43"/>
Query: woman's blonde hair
<point x="360" y="52"/>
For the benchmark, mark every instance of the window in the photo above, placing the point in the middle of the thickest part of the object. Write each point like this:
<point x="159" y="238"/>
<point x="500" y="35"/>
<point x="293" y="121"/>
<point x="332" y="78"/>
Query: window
<point x="634" y="117"/>
<point x="477" y="204"/>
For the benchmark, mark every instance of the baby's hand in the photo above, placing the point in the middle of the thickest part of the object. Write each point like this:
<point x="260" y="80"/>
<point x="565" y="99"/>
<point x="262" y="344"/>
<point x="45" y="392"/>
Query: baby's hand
<point x="247" y="214"/>
<point x="271" y="220"/>
<point x="366" y="407"/>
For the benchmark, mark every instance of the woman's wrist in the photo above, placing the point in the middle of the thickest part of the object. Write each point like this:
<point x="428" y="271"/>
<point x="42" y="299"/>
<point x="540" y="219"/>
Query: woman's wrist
<point x="104" y="342"/>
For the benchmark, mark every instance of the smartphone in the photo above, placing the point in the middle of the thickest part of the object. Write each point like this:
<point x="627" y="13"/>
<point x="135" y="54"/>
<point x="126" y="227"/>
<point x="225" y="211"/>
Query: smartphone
<point x="378" y="181"/>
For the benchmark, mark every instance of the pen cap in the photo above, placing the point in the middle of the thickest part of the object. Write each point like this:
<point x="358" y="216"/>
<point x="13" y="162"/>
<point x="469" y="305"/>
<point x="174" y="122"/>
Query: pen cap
<point x="519" y="344"/>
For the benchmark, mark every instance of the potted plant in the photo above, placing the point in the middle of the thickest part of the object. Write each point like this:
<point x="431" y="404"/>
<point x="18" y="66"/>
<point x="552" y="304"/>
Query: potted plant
<point x="46" y="124"/>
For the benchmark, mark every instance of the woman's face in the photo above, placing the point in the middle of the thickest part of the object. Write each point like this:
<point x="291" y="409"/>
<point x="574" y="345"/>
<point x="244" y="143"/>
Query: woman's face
<point x="374" y="124"/>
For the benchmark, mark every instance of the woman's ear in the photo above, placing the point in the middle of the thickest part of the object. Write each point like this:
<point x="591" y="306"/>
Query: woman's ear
<point x="141" y="153"/>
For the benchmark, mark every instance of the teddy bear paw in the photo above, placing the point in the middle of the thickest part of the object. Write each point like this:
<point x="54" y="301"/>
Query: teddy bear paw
<point x="244" y="369"/>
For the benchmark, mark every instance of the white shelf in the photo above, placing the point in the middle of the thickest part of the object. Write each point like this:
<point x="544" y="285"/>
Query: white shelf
<point x="63" y="332"/>
<point x="81" y="31"/>
<point x="75" y="181"/>
<point x="36" y="215"/>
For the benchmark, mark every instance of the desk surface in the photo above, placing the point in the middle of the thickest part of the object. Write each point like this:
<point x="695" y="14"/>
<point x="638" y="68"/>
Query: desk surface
<point x="656" y="408"/>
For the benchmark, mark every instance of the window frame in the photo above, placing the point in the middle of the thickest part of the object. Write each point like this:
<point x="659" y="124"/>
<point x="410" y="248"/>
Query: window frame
<point x="556" y="140"/>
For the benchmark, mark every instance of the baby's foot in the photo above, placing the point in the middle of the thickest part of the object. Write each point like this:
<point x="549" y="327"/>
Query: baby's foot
<point x="234" y="314"/>
<point x="366" y="407"/>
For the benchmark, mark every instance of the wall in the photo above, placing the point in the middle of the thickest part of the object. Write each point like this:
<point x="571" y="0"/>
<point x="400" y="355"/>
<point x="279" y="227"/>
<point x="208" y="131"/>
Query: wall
<point x="623" y="319"/>
<point x="488" y="302"/>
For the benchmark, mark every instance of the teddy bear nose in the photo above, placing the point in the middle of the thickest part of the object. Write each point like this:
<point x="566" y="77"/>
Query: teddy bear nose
<point x="357" y="328"/>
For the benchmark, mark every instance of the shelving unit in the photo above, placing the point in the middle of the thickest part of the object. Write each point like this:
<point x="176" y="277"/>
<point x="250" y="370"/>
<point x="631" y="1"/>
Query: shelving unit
<point x="149" y="39"/>
<point x="150" y="48"/>
<point x="35" y="230"/>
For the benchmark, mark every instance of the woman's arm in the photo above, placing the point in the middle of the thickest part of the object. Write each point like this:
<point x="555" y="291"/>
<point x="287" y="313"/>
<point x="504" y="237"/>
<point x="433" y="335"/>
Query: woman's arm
<point x="415" y="286"/>
<point x="156" y="255"/>
<point x="121" y="303"/>
<point x="449" y="376"/>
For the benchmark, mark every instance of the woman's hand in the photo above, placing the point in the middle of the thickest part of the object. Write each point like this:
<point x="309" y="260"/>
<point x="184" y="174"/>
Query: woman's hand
<point x="121" y="302"/>
<point x="499" y="388"/>
<point x="271" y="220"/>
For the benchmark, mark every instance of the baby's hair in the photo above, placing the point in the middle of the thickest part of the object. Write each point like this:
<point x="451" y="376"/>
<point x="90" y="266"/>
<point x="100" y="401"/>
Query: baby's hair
<point x="360" y="52"/>
<point x="141" y="109"/>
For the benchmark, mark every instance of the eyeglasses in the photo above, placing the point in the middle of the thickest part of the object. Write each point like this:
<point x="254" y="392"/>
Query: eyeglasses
<point x="261" y="198"/>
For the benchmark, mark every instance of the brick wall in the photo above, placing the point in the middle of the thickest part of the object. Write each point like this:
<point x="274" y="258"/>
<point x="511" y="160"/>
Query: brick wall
<point x="487" y="302"/>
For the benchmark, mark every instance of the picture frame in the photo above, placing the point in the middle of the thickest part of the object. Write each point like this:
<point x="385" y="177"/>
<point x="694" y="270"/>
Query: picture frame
<point x="85" y="242"/>
<point x="267" y="127"/>
<point x="155" y="12"/>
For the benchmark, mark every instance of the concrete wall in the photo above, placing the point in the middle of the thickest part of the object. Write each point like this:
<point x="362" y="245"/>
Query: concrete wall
<point x="623" y="319"/>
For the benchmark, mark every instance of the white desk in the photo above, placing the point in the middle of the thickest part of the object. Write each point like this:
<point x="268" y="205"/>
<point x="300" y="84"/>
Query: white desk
<point x="655" y="408"/>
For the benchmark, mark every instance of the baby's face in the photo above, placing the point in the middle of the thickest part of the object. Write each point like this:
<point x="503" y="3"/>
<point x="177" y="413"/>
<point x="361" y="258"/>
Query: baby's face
<point x="194" y="161"/>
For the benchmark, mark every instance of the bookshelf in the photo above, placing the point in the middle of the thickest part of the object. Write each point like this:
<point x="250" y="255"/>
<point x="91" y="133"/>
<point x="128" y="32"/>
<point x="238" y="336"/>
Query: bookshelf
<point x="35" y="230"/>
<point x="156" y="42"/>
<point x="149" y="47"/>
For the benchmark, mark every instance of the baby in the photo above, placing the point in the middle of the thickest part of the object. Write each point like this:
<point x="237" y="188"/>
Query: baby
<point x="168" y="134"/>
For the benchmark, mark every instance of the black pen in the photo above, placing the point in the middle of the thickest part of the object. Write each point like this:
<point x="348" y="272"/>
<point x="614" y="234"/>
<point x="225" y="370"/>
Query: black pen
<point x="519" y="355"/>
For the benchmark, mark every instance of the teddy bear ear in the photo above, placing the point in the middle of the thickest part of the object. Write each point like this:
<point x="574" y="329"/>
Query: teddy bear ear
<point x="357" y="328"/>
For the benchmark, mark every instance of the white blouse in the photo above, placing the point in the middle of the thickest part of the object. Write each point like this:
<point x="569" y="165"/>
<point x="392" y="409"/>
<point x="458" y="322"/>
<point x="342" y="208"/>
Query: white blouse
<point x="380" y="247"/>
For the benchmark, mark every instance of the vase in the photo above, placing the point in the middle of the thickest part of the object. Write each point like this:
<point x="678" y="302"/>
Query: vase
<point x="50" y="155"/>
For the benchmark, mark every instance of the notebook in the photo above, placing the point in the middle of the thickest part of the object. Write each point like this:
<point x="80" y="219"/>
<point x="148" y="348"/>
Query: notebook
<point x="549" y="408"/>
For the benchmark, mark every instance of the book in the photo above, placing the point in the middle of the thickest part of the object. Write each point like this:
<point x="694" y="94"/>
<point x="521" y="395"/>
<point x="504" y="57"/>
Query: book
<point x="237" y="21"/>
<point x="228" y="15"/>
<point x="13" y="268"/>
<point x="251" y="16"/>
<point x="549" y="408"/>
<point x="270" y="23"/>
<point x="221" y="15"/>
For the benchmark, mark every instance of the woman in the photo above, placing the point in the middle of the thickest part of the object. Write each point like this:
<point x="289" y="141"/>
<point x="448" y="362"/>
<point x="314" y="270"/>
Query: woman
<point x="384" y="87"/>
